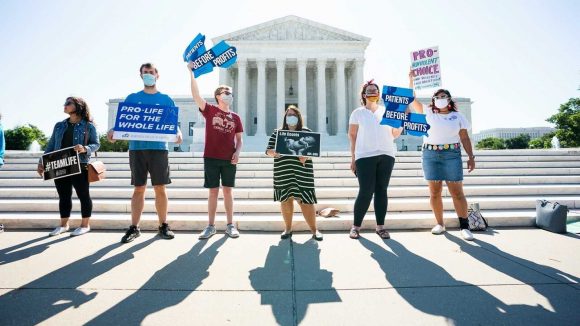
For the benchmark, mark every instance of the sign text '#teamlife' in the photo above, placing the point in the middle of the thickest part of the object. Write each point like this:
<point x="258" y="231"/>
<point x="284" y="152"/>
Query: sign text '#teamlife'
<point x="67" y="161"/>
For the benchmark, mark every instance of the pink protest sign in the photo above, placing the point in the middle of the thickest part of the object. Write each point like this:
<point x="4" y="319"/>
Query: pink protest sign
<point x="425" y="63"/>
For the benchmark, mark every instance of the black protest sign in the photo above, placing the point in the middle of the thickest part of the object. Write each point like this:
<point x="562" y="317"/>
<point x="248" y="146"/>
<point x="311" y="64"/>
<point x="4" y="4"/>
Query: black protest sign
<point x="62" y="163"/>
<point x="298" y="143"/>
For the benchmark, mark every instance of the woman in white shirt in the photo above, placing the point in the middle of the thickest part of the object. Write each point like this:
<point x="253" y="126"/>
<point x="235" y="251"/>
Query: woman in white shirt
<point x="373" y="158"/>
<point x="441" y="157"/>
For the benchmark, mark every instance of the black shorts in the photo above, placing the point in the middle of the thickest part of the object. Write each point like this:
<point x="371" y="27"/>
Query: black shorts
<point x="152" y="162"/>
<point x="214" y="169"/>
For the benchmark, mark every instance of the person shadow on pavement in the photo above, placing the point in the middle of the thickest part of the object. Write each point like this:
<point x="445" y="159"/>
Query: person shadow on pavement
<point x="527" y="271"/>
<point x="16" y="253"/>
<point x="182" y="276"/>
<point x="430" y="289"/>
<point x="25" y="306"/>
<point x="275" y="281"/>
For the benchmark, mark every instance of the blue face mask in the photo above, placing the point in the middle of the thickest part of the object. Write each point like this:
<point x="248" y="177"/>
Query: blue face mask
<point x="292" y="120"/>
<point x="149" y="80"/>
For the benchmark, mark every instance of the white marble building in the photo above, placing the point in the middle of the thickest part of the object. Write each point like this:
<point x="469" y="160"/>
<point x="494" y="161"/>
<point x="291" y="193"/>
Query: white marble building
<point x="290" y="60"/>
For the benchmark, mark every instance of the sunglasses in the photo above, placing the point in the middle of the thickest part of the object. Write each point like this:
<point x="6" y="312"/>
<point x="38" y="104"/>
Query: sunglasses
<point x="69" y="103"/>
<point x="226" y="92"/>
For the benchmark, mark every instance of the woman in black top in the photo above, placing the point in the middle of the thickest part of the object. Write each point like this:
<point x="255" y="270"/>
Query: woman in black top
<point x="293" y="178"/>
<point x="79" y="131"/>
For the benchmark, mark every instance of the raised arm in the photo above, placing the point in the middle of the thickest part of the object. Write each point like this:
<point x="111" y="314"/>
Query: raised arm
<point x="415" y="105"/>
<point x="195" y="89"/>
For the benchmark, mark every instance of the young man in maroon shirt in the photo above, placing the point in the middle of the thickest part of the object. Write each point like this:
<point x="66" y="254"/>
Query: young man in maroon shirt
<point x="223" y="144"/>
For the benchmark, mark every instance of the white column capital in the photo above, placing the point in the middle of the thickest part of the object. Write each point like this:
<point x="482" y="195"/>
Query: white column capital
<point x="302" y="61"/>
<point x="261" y="62"/>
<point x="280" y="62"/>
<point x="242" y="62"/>
<point x="321" y="62"/>
<point x="340" y="61"/>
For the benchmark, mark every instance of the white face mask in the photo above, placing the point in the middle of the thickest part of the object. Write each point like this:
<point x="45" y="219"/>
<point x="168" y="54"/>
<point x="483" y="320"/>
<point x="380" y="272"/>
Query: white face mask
<point x="228" y="99"/>
<point x="292" y="120"/>
<point x="441" y="103"/>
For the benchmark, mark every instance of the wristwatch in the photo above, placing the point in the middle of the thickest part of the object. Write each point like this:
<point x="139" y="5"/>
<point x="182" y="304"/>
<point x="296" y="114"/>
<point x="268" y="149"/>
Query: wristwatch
<point x="471" y="157"/>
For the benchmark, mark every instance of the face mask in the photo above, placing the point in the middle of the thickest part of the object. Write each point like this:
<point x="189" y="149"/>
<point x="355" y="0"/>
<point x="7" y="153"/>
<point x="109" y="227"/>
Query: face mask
<point x="227" y="98"/>
<point x="441" y="103"/>
<point x="292" y="120"/>
<point x="372" y="98"/>
<point x="149" y="79"/>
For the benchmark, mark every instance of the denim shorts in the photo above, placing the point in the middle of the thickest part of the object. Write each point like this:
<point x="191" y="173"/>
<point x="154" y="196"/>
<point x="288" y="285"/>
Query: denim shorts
<point x="442" y="165"/>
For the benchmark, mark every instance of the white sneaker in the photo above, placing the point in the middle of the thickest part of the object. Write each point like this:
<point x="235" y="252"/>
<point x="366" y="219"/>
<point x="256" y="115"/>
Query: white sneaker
<point x="207" y="232"/>
<point x="466" y="234"/>
<point x="58" y="230"/>
<point x="438" y="229"/>
<point x="80" y="231"/>
<point x="232" y="231"/>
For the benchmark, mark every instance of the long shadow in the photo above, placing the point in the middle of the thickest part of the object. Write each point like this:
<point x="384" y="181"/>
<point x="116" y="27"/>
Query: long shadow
<point x="272" y="282"/>
<point x="431" y="289"/>
<point x="55" y="292"/>
<point x="508" y="264"/>
<point x="15" y="253"/>
<point x="182" y="276"/>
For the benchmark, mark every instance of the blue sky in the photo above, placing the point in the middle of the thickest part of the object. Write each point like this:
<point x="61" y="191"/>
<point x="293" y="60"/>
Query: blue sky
<point x="517" y="60"/>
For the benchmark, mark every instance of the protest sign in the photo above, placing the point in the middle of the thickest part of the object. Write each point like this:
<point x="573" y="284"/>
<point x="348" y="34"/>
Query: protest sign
<point x="61" y="163"/>
<point x="427" y="68"/>
<point x="222" y="55"/>
<point x="146" y="122"/>
<point x="397" y="99"/>
<point x="297" y="143"/>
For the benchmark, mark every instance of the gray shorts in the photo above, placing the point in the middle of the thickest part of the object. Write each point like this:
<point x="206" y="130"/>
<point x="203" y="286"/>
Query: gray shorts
<point x="152" y="162"/>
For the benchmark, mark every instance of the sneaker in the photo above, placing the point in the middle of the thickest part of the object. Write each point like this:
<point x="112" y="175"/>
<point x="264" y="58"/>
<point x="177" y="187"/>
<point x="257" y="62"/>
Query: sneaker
<point x="165" y="232"/>
<point x="1" y="228"/>
<point x="131" y="234"/>
<point x="286" y="235"/>
<point x="207" y="232"/>
<point x="80" y="231"/>
<point x="466" y="234"/>
<point x="317" y="236"/>
<point x="58" y="230"/>
<point x="354" y="233"/>
<point x="438" y="229"/>
<point x="232" y="231"/>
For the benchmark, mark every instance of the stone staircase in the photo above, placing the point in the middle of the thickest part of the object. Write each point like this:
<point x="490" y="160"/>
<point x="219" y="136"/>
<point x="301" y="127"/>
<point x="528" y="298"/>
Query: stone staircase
<point x="505" y="183"/>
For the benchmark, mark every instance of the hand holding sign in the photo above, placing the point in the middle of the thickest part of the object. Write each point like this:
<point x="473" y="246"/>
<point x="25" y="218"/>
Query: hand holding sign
<point x="201" y="62"/>
<point x="396" y="101"/>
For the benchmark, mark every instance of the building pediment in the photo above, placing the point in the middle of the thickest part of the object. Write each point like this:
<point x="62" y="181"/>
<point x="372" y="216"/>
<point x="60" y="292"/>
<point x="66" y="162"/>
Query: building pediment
<point x="292" y="28"/>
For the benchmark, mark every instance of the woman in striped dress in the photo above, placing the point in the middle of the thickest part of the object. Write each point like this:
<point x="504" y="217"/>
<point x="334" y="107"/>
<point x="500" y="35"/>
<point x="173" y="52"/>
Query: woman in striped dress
<point x="293" y="178"/>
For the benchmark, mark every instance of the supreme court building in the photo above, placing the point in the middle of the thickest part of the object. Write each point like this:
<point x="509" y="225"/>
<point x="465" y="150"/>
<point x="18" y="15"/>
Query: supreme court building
<point x="290" y="60"/>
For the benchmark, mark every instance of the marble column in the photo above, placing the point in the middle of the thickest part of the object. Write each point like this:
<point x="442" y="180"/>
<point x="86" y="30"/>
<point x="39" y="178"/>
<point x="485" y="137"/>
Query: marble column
<point x="280" y="90"/>
<point x="261" y="103"/>
<point x="242" y="77"/>
<point x="340" y="97"/>
<point x="358" y="79"/>
<point x="321" y="85"/>
<point x="302" y="89"/>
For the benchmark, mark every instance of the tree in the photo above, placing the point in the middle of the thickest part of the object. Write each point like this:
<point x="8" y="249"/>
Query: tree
<point x="21" y="137"/>
<point x="542" y="142"/>
<point x="491" y="143"/>
<point x="519" y="142"/>
<point x="567" y="122"/>
<point x="118" y="146"/>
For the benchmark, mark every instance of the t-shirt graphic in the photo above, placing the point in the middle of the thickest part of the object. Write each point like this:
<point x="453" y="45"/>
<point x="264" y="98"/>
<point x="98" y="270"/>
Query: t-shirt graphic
<point x="220" y="132"/>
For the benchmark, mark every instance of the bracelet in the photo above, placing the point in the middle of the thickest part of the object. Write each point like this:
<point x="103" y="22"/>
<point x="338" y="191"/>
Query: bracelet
<point x="471" y="157"/>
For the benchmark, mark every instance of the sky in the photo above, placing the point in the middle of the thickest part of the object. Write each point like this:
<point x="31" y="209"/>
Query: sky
<point x="517" y="60"/>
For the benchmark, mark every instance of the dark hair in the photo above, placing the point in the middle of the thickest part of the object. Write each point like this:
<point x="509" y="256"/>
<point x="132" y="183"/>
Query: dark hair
<point x="149" y="66"/>
<point x="298" y="113"/>
<point x="219" y="90"/>
<point x="81" y="108"/>
<point x="363" y="89"/>
<point x="452" y="106"/>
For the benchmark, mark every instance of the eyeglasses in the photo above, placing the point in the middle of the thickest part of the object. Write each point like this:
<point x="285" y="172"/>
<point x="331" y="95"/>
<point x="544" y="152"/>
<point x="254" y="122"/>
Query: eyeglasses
<point x="226" y="92"/>
<point x="69" y="103"/>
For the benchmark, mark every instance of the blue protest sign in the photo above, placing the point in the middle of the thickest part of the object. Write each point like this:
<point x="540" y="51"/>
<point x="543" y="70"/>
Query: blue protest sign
<point x="396" y="101"/>
<point x="146" y="122"/>
<point x="195" y="48"/>
<point x="221" y="55"/>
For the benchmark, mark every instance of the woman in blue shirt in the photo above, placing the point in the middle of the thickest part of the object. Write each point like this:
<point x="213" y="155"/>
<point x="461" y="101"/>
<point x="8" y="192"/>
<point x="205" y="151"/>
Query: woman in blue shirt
<point x="79" y="131"/>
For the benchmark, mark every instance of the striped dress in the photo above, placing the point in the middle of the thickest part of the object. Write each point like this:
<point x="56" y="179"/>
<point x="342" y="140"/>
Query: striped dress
<point x="291" y="178"/>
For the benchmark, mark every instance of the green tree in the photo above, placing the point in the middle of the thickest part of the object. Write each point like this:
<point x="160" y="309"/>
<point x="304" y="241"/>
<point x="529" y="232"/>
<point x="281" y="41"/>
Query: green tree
<point x="542" y="142"/>
<point x="567" y="122"/>
<point x="21" y="137"/>
<point x="118" y="146"/>
<point x="519" y="142"/>
<point x="491" y="143"/>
